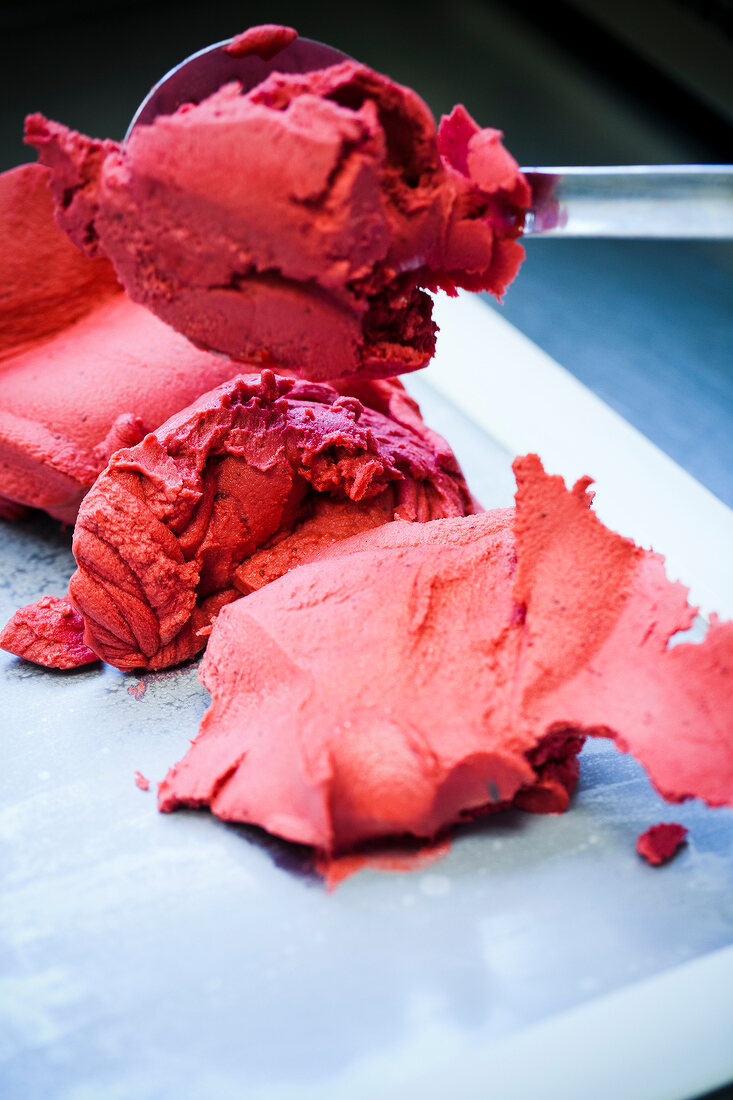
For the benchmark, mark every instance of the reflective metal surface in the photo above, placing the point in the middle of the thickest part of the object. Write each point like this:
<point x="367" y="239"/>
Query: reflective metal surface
<point x="661" y="201"/>
<point x="203" y="72"/>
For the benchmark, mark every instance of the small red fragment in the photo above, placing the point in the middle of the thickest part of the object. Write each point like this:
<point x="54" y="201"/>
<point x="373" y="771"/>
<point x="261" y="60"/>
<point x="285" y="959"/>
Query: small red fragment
<point x="137" y="690"/>
<point x="265" y="41"/>
<point x="142" y="782"/>
<point x="660" y="842"/>
<point x="49" y="632"/>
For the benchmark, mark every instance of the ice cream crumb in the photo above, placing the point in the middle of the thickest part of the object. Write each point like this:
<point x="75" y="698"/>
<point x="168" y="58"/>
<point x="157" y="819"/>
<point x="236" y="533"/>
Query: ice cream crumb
<point x="661" y="842"/>
<point x="264" y="41"/>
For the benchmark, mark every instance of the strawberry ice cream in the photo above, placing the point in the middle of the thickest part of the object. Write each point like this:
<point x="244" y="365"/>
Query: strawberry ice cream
<point x="166" y="537"/>
<point x="487" y="648"/>
<point x="83" y="371"/>
<point x="297" y="225"/>
<point x="399" y="663"/>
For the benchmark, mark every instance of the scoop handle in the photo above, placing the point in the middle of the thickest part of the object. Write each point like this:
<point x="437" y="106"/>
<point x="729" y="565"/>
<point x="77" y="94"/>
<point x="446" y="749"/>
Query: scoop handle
<point x="669" y="201"/>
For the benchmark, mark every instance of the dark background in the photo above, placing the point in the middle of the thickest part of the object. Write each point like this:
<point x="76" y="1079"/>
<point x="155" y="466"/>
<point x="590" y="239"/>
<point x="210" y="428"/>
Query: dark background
<point x="564" y="88"/>
<point x="645" y="324"/>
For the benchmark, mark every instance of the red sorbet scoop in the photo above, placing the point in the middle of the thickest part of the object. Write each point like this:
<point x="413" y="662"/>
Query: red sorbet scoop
<point x="417" y="674"/>
<point x="83" y="370"/>
<point x="296" y="224"/>
<point x="250" y="480"/>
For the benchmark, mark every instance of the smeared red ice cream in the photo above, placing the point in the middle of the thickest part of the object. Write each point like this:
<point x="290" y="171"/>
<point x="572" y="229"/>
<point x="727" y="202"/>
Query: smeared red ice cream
<point x="45" y="282"/>
<point x="48" y="632"/>
<point x="297" y="223"/>
<point x="83" y="370"/>
<point x="486" y="648"/>
<point x="166" y="536"/>
<point x="397" y="857"/>
<point x="596" y="649"/>
<point x="660" y="842"/>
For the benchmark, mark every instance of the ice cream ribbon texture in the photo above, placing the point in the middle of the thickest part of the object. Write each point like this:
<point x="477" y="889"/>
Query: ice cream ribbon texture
<point x="83" y="370"/>
<point x="297" y="225"/>
<point x="238" y="488"/>
<point x="418" y="675"/>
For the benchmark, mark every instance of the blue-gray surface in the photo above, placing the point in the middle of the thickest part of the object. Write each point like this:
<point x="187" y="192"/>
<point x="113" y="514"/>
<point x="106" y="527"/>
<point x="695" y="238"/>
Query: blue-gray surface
<point x="649" y="327"/>
<point x="147" y="956"/>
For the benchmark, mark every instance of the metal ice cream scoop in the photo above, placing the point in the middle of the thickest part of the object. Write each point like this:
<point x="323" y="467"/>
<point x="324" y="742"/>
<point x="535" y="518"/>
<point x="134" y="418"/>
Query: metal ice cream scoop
<point x="669" y="201"/>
